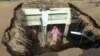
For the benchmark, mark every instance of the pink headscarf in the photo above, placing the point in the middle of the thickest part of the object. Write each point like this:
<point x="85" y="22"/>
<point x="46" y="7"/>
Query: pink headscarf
<point x="54" y="30"/>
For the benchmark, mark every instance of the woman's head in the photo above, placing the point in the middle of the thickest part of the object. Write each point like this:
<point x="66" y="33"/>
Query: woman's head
<point x="54" y="27"/>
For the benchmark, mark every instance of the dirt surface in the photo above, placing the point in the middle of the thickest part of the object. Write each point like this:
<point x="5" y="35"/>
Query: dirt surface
<point x="6" y="14"/>
<point x="67" y="52"/>
<point x="91" y="52"/>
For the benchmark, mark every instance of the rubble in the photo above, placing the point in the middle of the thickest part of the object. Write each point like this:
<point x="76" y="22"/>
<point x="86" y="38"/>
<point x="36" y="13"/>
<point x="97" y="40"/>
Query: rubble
<point x="15" y="37"/>
<point x="18" y="43"/>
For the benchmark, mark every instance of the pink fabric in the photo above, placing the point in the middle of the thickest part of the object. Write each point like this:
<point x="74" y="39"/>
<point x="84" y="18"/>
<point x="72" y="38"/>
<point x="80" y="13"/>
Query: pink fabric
<point x="54" y="32"/>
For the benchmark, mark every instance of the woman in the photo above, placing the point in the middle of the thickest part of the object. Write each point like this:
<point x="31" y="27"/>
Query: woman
<point x="54" y="33"/>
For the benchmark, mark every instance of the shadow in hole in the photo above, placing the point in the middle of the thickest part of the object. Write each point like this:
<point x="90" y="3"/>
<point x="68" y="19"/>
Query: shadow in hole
<point x="36" y="48"/>
<point x="74" y="40"/>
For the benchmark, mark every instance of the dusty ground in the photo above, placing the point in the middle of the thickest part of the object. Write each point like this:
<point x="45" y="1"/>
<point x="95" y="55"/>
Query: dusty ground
<point x="6" y="13"/>
<point x="67" y="52"/>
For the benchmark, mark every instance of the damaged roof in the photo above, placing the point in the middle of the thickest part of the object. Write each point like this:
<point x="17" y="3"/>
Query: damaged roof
<point x="85" y="6"/>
